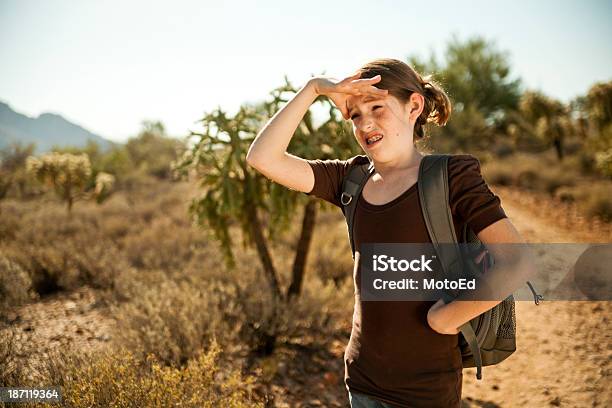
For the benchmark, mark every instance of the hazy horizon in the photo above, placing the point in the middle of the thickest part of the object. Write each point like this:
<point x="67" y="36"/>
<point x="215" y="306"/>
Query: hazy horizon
<point x="107" y="66"/>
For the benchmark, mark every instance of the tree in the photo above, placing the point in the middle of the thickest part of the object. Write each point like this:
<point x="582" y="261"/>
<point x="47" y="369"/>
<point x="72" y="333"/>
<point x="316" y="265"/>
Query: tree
<point x="13" y="166"/>
<point x="549" y="119"/>
<point x="153" y="151"/>
<point x="234" y="192"/>
<point x="596" y="107"/>
<point x="598" y="104"/>
<point x="477" y="78"/>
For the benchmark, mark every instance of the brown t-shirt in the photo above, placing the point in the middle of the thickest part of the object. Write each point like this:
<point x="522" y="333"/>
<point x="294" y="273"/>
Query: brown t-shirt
<point x="393" y="355"/>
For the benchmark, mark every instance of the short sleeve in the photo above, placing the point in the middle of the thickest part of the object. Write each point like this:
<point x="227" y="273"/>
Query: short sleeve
<point x="469" y="195"/>
<point x="328" y="175"/>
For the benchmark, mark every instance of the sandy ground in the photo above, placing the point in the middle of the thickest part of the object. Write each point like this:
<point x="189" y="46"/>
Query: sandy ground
<point x="60" y="321"/>
<point x="564" y="348"/>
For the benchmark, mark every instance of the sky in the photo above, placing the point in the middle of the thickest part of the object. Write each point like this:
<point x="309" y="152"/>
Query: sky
<point x="109" y="65"/>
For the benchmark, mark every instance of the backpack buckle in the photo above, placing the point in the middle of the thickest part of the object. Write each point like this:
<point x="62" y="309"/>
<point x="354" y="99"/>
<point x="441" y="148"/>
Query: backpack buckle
<point x="342" y="198"/>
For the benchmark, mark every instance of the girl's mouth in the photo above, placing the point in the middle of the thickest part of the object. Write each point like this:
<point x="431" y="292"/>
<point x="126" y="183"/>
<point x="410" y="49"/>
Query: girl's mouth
<point x="374" y="139"/>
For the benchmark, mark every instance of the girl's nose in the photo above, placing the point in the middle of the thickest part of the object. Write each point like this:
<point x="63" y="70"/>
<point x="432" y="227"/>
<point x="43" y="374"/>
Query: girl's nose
<point x="366" y="125"/>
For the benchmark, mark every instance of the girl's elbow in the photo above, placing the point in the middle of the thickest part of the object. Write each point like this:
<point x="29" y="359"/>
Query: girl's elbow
<point x="251" y="157"/>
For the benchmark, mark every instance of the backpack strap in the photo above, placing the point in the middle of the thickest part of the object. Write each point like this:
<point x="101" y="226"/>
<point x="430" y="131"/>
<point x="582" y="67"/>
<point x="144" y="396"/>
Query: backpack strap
<point x="352" y="185"/>
<point x="433" y="187"/>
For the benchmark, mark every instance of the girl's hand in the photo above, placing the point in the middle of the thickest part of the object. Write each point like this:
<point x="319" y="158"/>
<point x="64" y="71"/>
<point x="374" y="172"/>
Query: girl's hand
<point x="434" y="315"/>
<point x="339" y="92"/>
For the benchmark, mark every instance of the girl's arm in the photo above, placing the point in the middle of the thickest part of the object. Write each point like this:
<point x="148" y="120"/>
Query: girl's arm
<point x="268" y="152"/>
<point x="513" y="266"/>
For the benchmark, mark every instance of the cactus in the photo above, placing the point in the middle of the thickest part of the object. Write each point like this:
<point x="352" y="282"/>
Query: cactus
<point x="67" y="173"/>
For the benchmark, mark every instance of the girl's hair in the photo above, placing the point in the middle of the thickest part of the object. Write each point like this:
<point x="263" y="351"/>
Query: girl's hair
<point x="401" y="80"/>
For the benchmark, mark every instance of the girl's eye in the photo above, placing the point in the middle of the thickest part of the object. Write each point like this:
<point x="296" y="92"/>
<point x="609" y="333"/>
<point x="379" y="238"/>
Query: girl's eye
<point x="374" y="108"/>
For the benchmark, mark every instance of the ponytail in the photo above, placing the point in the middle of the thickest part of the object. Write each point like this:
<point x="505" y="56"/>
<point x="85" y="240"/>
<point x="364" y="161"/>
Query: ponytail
<point x="437" y="108"/>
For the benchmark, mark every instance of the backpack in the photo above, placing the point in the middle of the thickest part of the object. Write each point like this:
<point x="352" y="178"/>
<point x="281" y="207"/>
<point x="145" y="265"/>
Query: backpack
<point x="490" y="337"/>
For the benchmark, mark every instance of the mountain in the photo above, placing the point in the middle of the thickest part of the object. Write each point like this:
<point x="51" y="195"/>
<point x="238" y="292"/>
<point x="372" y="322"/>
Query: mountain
<point x="47" y="130"/>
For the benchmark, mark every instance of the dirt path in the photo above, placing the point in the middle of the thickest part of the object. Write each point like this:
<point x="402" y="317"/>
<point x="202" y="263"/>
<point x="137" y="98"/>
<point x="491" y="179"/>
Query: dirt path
<point x="564" y="348"/>
<point x="540" y="219"/>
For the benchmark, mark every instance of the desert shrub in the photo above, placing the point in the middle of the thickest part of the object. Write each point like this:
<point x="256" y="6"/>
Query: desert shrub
<point x="320" y="307"/>
<point x="566" y="194"/>
<point x="331" y="260"/>
<point x="174" y="319"/>
<point x="587" y="162"/>
<point x="70" y="264"/>
<point x="532" y="172"/>
<point x="60" y="252"/>
<point x="603" y="162"/>
<point x="594" y="198"/>
<point x="120" y="379"/>
<point x="554" y="180"/>
<point x="117" y="378"/>
<point x="499" y="177"/>
<point x="13" y="174"/>
<point x="10" y="222"/>
<point x="103" y="186"/>
<point x="503" y="148"/>
<point x="165" y="244"/>
<point x="599" y="203"/>
<point x="565" y="180"/>
<point x="153" y="151"/>
<point x="136" y="182"/>
<point x="528" y="178"/>
<point x="15" y="284"/>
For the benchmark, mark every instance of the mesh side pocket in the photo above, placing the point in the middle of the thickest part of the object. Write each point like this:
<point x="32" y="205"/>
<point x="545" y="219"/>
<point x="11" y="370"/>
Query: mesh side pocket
<point x="507" y="328"/>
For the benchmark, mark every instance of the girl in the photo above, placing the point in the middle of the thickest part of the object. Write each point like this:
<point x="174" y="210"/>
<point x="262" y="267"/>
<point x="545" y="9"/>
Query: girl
<point x="400" y="354"/>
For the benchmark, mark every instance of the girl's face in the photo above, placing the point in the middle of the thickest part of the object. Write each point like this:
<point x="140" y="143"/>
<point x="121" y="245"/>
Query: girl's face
<point x="386" y="117"/>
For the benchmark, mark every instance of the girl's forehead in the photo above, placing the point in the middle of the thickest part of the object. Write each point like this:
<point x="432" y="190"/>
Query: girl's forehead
<point x="356" y="100"/>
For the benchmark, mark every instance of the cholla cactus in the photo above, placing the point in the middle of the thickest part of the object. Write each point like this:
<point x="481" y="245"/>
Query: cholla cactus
<point x="67" y="173"/>
<point x="104" y="184"/>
